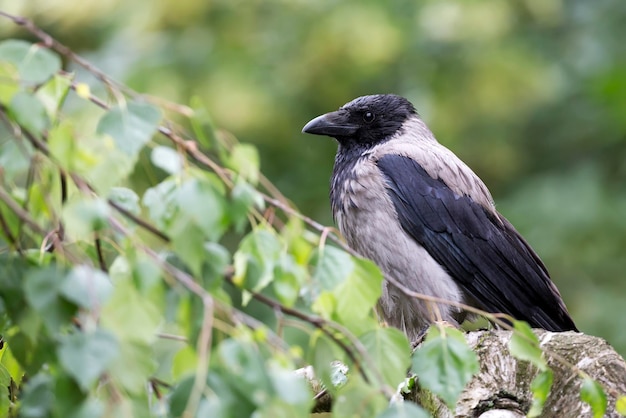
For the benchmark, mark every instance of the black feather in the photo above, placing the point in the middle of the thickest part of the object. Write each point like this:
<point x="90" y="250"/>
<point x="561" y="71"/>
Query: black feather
<point x="480" y="249"/>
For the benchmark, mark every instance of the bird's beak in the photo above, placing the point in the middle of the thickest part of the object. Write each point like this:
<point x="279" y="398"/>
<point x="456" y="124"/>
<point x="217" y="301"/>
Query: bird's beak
<point x="331" y="124"/>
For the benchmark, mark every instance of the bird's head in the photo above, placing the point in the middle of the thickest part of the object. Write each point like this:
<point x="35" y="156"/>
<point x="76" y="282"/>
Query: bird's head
<point x="365" y="121"/>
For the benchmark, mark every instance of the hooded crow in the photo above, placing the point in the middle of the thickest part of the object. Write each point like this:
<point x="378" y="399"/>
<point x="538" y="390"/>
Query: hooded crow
<point x="424" y="217"/>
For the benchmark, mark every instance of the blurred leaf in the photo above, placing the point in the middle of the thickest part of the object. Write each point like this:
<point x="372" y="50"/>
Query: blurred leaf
<point x="404" y="410"/>
<point x="592" y="393"/>
<point x="185" y="362"/>
<point x="133" y="366"/>
<point x="244" y="197"/>
<point x="38" y="398"/>
<point x="15" y="159"/>
<point x="43" y="292"/>
<point x="86" y="287"/>
<point x="129" y="315"/>
<point x="391" y="353"/>
<point x="9" y="82"/>
<point x="131" y="127"/>
<point x="358" y="399"/>
<point x="126" y="198"/>
<point x="12" y="295"/>
<point x="444" y="363"/>
<point x="332" y="267"/>
<point x="540" y="387"/>
<point x="85" y="356"/>
<point x="198" y="202"/>
<point x="53" y="94"/>
<point x="84" y="216"/>
<point x="244" y="159"/>
<point x="620" y="405"/>
<point x="288" y="278"/>
<point x="524" y="345"/>
<point x="167" y="159"/>
<point x="29" y="113"/>
<point x="62" y="145"/>
<point x="256" y="258"/>
<point x="292" y="390"/>
<point x="202" y="124"/>
<point x="358" y="294"/>
<point x="5" y="383"/>
<point x="188" y="242"/>
<point x="34" y="63"/>
<point x="321" y="356"/>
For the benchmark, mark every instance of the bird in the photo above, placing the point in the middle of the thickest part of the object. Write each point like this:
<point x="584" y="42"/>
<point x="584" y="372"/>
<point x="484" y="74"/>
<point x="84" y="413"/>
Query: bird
<point x="409" y="204"/>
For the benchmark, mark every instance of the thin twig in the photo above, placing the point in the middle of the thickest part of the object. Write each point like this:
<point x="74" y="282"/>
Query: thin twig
<point x="9" y="235"/>
<point x="101" y="261"/>
<point x="20" y="212"/>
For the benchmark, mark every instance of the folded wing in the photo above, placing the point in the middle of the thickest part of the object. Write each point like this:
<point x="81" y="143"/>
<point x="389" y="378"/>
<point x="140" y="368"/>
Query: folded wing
<point x="478" y="247"/>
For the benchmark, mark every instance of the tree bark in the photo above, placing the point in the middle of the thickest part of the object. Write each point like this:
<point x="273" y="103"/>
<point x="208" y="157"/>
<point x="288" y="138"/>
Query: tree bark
<point x="501" y="389"/>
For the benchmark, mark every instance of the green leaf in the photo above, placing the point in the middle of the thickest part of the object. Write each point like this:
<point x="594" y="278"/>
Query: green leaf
<point x="243" y="198"/>
<point x="62" y="145"/>
<point x="5" y="383"/>
<point x="620" y="405"/>
<point x="29" y="113"/>
<point x="42" y="288"/>
<point x="85" y="215"/>
<point x="134" y="365"/>
<point x="540" y="388"/>
<point x="288" y="277"/>
<point x="332" y="267"/>
<point x="244" y="159"/>
<point x="358" y="399"/>
<point x="592" y="393"/>
<point x="404" y="410"/>
<point x="15" y="159"/>
<point x="129" y="315"/>
<point x="197" y="202"/>
<point x="167" y="159"/>
<point x="126" y="198"/>
<point x="85" y="356"/>
<point x="53" y="94"/>
<point x="86" y="287"/>
<point x="131" y="127"/>
<point x="38" y="399"/>
<point x="159" y="202"/>
<point x="243" y="369"/>
<point x="12" y="287"/>
<point x="321" y="355"/>
<point x="9" y="82"/>
<point x="390" y="351"/>
<point x="291" y="390"/>
<point x="358" y="294"/>
<point x="524" y="345"/>
<point x="34" y="63"/>
<point x="256" y="258"/>
<point x="188" y="242"/>
<point x="444" y="363"/>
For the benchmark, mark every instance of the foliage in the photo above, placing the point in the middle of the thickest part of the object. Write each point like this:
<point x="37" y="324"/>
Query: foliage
<point x="529" y="93"/>
<point x="195" y="291"/>
<point x="107" y="291"/>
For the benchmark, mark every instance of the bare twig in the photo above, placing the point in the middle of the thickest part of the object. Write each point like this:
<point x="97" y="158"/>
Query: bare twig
<point x="20" y="212"/>
<point x="101" y="261"/>
<point x="9" y="235"/>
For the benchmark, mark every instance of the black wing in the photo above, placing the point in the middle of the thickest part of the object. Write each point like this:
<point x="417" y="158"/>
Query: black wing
<point x="482" y="251"/>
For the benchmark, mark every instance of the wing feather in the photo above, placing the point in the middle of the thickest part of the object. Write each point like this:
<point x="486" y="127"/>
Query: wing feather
<point x="479" y="248"/>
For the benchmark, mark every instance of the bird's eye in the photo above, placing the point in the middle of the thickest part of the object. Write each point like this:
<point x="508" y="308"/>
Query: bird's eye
<point x="369" y="117"/>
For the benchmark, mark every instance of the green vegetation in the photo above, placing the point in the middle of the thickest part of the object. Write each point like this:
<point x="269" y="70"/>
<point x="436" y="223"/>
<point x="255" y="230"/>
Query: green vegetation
<point x="143" y="247"/>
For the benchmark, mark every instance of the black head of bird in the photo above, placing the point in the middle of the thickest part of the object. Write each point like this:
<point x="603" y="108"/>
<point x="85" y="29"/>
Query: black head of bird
<point x="424" y="217"/>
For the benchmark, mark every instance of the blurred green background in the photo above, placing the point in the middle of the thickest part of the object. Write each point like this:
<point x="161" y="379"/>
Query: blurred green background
<point x="530" y="93"/>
